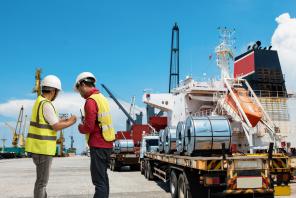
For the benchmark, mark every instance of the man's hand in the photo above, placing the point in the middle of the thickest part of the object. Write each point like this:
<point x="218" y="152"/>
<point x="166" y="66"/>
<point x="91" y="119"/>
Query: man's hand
<point x="72" y="119"/>
<point x="64" y="123"/>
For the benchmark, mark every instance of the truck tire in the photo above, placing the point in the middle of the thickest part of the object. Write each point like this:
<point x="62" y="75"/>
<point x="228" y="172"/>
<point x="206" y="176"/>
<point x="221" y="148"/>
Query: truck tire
<point x="150" y="175"/>
<point x="114" y="165"/>
<point x="146" y="169"/>
<point x="173" y="184"/>
<point x="183" y="187"/>
<point x="142" y="168"/>
<point x="135" y="167"/>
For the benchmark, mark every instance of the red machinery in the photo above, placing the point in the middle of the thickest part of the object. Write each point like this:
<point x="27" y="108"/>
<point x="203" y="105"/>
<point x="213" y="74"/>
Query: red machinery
<point x="125" y="151"/>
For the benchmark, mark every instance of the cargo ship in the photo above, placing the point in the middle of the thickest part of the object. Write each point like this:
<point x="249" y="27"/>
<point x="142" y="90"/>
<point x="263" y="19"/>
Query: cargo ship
<point x="261" y="67"/>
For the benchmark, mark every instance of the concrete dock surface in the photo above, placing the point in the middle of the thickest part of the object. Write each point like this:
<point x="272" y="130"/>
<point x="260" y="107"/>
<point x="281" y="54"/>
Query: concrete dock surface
<point x="70" y="178"/>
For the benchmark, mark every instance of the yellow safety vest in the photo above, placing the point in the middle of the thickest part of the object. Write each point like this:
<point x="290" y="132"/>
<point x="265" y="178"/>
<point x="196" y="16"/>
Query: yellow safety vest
<point x="104" y="118"/>
<point x="41" y="137"/>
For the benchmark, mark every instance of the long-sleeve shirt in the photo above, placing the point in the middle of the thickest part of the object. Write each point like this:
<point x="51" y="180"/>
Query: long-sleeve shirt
<point x="91" y="124"/>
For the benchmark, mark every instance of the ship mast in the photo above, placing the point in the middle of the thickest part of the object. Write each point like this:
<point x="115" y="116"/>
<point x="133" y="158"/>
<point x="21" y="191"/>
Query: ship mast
<point x="224" y="51"/>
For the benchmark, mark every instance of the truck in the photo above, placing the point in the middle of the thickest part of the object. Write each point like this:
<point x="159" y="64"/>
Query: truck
<point x="219" y="139"/>
<point x="216" y="147"/>
<point x="126" y="148"/>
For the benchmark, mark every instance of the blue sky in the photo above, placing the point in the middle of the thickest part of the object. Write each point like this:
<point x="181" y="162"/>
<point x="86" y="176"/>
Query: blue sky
<point x="124" y="43"/>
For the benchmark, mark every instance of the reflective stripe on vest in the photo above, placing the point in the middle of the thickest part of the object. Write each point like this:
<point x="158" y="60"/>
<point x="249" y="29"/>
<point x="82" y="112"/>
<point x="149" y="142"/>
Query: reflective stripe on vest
<point x="104" y="117"/>
<point x="41" y="137"/>
<point x="41" y="126"/>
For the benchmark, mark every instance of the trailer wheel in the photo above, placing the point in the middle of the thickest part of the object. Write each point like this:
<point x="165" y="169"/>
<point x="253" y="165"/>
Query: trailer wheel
<point x="150" y="175"/>
<point x="142" y="167"/>
<point x="146" y="169"/>
<point x="114" y="165"/>
<point x="183" y="187"/>
<point x="173" y="184"/>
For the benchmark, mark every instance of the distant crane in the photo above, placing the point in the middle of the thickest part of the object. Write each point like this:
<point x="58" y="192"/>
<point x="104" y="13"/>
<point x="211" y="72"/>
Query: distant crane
<point x="17" y="130"/>
<point x="22" y="141"/>
<point x="72" y="141"/>
<point x="37" y="87"/>
<point x="132" y="113"/>
<point x="174" y="61"/>
<point x="61" y="139"/>
<point x="3" y="144"/>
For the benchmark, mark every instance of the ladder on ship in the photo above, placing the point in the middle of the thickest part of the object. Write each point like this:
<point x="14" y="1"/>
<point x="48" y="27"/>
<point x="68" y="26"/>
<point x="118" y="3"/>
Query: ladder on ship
<point x="240" y="115"/>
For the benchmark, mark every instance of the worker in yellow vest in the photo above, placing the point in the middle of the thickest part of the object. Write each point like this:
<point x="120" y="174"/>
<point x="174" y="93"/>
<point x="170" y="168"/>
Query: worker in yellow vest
<point x="42" y="135"/>
<point x="97" y="127"/>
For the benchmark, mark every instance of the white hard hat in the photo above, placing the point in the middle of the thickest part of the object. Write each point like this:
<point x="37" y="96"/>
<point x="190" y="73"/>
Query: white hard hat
<point x="82" y="76"/>
<point x="51" y="81"/>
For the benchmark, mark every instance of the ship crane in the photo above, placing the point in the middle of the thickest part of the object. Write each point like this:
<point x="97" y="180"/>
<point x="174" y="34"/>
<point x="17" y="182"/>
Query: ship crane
<point x="129" y="117"/>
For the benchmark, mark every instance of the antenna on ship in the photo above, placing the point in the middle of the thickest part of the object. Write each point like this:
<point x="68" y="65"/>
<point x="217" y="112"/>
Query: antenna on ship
<point x="224" y="51"/>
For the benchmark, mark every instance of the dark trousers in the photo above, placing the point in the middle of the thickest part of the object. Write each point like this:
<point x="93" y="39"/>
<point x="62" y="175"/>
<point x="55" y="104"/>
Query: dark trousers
<point x="99" y="159"/>
<point x="43" y="164"/>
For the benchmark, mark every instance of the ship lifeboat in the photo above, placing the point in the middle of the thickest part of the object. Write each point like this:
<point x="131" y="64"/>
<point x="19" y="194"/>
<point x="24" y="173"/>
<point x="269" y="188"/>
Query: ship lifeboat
<point x="252" y="111"/>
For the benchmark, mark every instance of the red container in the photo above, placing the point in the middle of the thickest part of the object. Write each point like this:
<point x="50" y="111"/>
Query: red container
<point x="123" y="135"/>
<point x="158" y="122"/>
<point x="137" y="132"/>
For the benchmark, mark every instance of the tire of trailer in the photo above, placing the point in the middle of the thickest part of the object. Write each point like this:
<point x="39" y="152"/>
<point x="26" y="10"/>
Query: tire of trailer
<point x="142" y="168"/>
<point x="183" y="187"/>
<point x="145" y="169"/>
<point x="150" y="175"/>
<point x="135" y="167"/>
<point x="112" y="165"/>
<point x="173" y="184"/>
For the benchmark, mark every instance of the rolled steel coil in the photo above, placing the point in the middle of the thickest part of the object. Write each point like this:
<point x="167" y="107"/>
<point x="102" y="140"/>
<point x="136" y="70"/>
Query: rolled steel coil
<point x="170" y="140"/>
<point x="124" y="146"/>
<point x="161" y="141"/>
<point x="180" y="137"/>
<point x="205" y="135"/>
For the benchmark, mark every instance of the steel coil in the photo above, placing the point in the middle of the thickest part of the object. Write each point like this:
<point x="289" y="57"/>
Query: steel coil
<point x="205" y="135"/>
<point x="180" y="137"/>
<point x="161" y="141"/>
<point x="124" y="146"/>
<point x="170" y="140"/>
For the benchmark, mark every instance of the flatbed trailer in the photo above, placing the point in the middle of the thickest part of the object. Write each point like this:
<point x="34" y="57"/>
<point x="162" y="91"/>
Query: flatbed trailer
<point x="235" y="175"/>
<point x="117" y="160"/>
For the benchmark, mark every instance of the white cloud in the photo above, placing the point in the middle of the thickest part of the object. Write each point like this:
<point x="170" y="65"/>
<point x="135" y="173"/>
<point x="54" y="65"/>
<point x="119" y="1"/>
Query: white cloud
<point x="65" y="103"/>
<point x="284" y="40"/>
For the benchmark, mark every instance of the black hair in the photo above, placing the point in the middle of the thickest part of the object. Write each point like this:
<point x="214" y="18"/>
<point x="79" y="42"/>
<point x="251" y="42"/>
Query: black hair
<point x="90" y="82"/>
<point x="47" y="89"/>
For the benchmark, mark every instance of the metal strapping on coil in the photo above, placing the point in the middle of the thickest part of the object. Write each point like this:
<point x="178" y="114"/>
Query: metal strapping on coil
<point x="41" y="137"/>
<point x="41" y="126"/>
